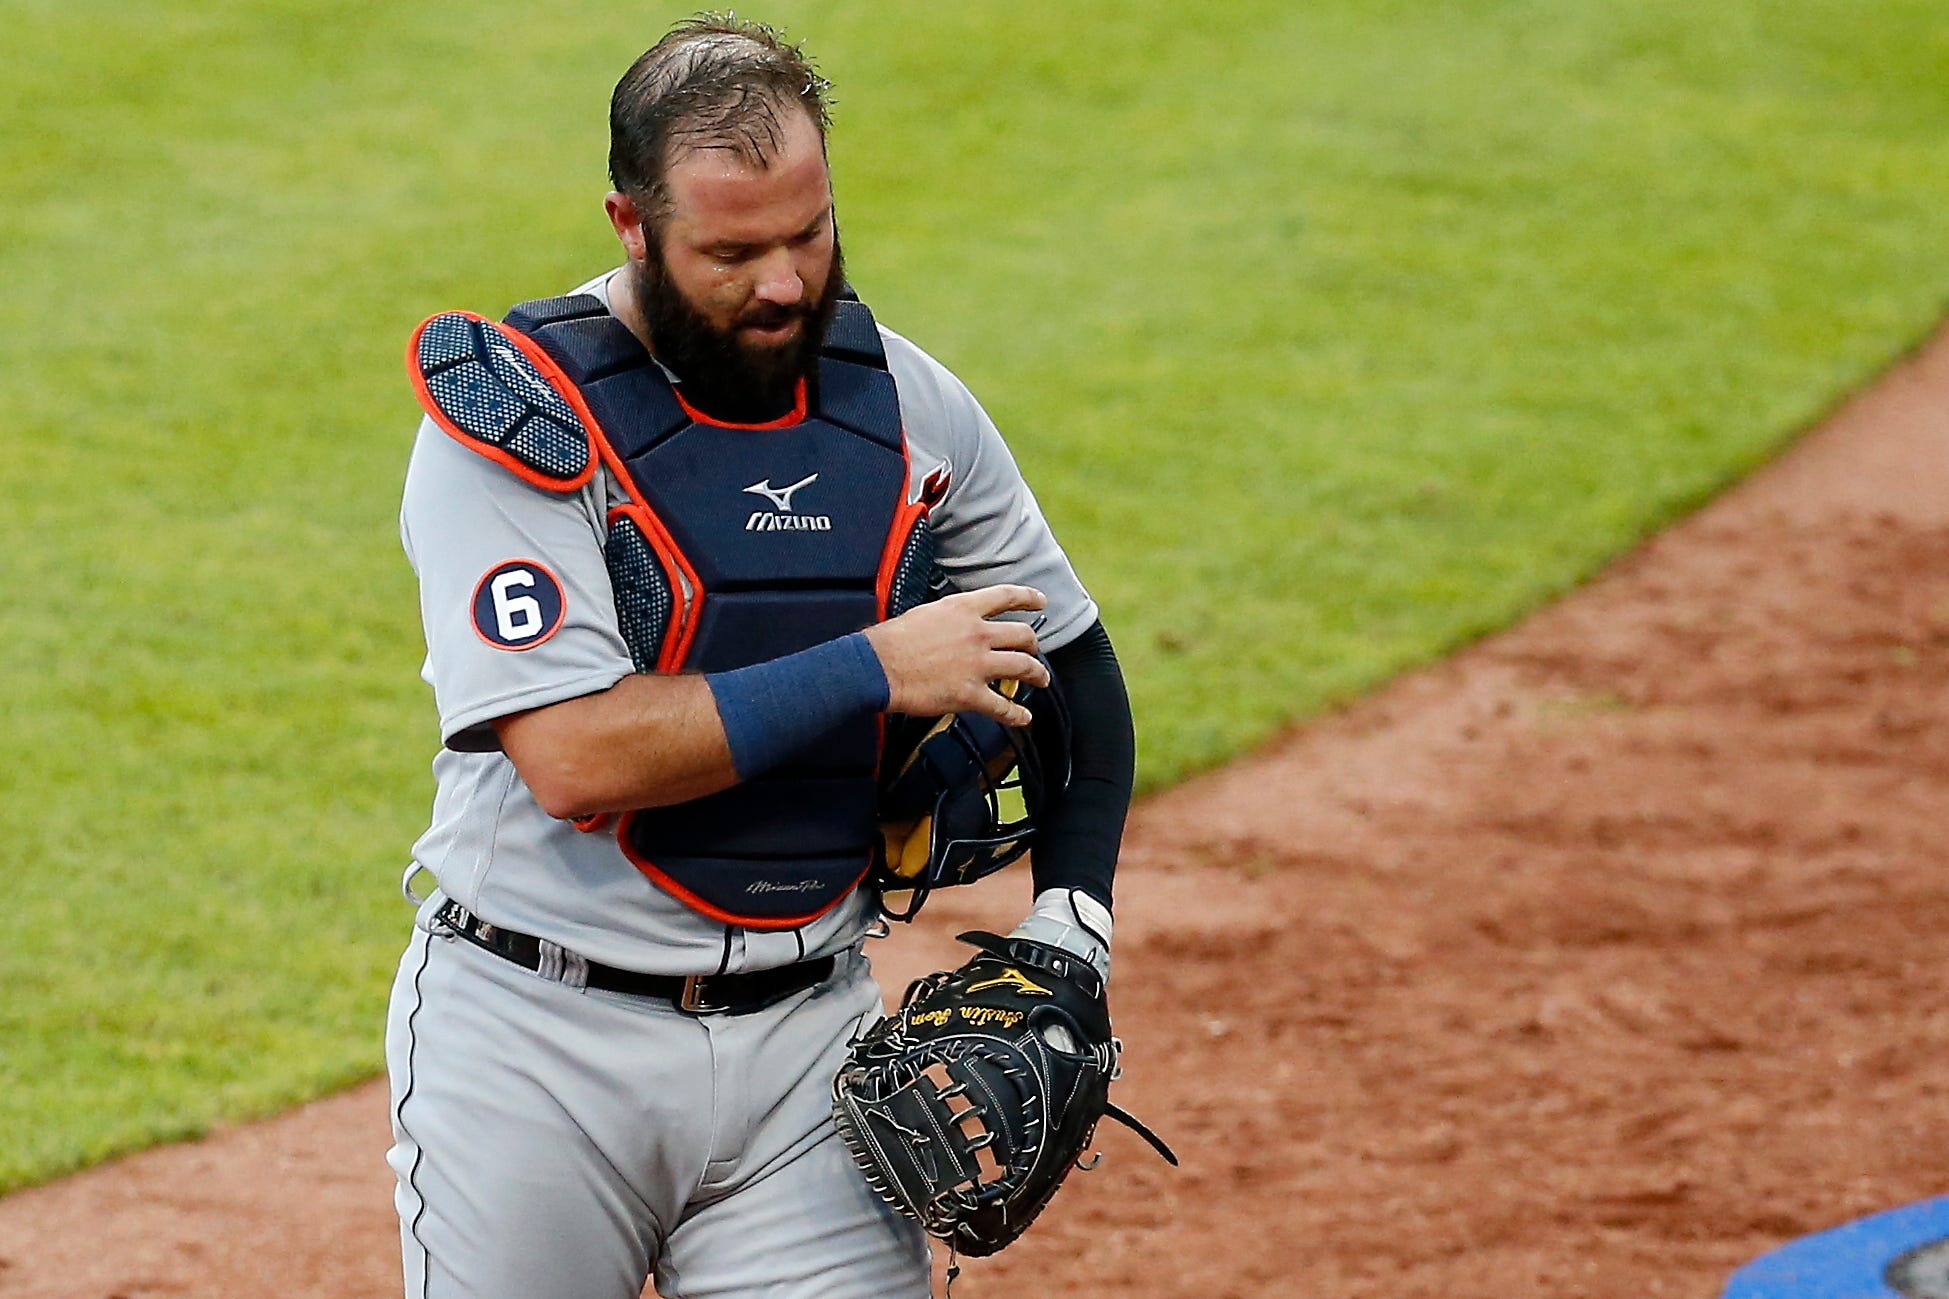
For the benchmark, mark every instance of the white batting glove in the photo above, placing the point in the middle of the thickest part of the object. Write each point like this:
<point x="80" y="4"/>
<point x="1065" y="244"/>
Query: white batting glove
<point x="1072" y="920"/>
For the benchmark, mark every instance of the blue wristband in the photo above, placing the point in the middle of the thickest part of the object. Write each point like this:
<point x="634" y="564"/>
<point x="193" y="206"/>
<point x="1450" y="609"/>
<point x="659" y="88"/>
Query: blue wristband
<point x="772" y="710"/>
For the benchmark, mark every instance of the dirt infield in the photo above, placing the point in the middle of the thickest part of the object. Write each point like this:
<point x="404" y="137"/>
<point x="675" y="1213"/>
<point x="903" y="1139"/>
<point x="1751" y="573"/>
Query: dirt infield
<point x="1589" y="963"/>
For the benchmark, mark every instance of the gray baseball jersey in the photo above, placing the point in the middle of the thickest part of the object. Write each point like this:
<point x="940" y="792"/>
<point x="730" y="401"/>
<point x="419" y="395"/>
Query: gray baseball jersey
<point x="479" y="538"/>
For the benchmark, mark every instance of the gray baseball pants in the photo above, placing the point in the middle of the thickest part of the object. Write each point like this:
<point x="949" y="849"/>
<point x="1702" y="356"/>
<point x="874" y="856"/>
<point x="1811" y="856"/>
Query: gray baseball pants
<point x="552" y="1142"/>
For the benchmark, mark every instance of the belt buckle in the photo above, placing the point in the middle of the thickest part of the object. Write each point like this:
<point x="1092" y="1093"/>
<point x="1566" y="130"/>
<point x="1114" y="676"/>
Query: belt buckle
<point x="693" y="1001"/>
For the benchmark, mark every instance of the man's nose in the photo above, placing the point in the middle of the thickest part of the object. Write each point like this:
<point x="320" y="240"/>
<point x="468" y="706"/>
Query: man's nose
<point x="778" y="279"/>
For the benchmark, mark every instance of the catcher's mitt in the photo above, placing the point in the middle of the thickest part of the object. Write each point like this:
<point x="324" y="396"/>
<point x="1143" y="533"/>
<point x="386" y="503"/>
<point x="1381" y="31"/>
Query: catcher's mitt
<point x="968" y="1108"/>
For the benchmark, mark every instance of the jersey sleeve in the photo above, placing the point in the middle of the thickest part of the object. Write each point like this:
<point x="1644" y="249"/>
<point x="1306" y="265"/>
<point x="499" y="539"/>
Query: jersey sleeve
<point x="988" y="529"/>
<point x="514" y="595"/>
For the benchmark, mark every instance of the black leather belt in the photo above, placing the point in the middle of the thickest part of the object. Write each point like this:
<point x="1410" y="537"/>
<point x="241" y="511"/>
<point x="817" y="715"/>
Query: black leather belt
<point x="698" y="994"/>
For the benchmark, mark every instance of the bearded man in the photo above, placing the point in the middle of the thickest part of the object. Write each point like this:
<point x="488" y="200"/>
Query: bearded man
<point x="686" y="537"/>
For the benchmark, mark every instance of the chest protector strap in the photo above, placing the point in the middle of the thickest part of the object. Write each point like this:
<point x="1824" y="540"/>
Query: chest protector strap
<point x="733" y="544"/>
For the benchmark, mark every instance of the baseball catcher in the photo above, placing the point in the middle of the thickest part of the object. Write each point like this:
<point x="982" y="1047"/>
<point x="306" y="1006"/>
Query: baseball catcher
<point x="968" y="1108"/>
<point x="740" y="616"/>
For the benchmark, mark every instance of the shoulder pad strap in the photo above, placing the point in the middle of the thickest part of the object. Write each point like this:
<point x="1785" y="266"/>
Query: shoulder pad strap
<point x="496" y="393"/>
<point x="530" y="316"/>
<point x="853" y="336"/>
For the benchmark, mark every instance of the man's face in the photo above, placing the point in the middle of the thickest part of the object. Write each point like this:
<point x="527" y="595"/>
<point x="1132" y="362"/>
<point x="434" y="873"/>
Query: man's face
<point x="738" y="283"/>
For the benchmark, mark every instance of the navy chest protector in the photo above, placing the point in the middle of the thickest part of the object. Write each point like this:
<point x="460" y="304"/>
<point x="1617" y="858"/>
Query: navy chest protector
<point x="734" y="544"/>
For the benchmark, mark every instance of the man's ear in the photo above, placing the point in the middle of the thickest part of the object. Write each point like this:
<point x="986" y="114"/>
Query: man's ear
<point x="628" y="224"/>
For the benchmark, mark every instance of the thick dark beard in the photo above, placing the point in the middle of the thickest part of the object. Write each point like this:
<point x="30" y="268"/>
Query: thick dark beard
<point x="717" y="370"/>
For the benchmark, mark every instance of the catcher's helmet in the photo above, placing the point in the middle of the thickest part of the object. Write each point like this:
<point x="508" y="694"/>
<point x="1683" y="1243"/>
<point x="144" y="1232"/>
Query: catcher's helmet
<point x="960" y="795"/>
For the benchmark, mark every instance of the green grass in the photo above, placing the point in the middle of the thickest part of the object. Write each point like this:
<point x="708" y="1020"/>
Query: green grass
<point x="1331" y="336"/>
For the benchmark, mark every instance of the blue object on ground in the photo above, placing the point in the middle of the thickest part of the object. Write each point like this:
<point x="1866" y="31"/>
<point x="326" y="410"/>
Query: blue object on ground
<point x="1851" y="1261"/>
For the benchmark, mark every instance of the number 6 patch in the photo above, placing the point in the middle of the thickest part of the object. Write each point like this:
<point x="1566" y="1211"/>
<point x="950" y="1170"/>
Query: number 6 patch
<point x="518" y="605"/>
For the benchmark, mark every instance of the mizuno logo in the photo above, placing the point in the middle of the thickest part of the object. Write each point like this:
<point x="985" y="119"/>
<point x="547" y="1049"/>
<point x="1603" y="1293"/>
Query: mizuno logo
<point x="763" y="522"/>
<point x="781" y="497"/>
<point x="1012" y="978"/>
<point x="769" y="886"/>
<point x="785" y="520"/>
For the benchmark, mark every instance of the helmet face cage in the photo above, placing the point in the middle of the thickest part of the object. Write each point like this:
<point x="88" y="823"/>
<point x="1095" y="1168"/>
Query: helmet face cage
<point x="990" y="785"/>
<point x="958" y="857"/>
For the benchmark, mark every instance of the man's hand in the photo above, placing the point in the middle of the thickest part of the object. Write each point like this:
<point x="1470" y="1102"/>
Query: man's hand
<point x="1072" y="920"/>
<point x="941" y="657"/>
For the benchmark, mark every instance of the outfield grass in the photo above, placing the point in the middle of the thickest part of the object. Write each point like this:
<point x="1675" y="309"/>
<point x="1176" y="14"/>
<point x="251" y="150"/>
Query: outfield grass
<point x="1331" y="336"/>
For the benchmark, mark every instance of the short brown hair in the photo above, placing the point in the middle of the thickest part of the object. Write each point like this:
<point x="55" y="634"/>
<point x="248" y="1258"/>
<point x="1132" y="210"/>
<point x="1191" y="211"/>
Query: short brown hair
<point x="715" y="81"/>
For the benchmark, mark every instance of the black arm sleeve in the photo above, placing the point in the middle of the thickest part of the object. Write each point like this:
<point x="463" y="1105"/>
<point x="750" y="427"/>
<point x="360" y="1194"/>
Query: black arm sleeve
<point x="1077" y="840"/>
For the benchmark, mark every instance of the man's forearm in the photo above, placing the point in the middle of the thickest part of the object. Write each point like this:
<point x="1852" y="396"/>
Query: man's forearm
<point x="653" y="740"/>
<point x="647" y="741"/>
<point x="1076" y="844"/>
